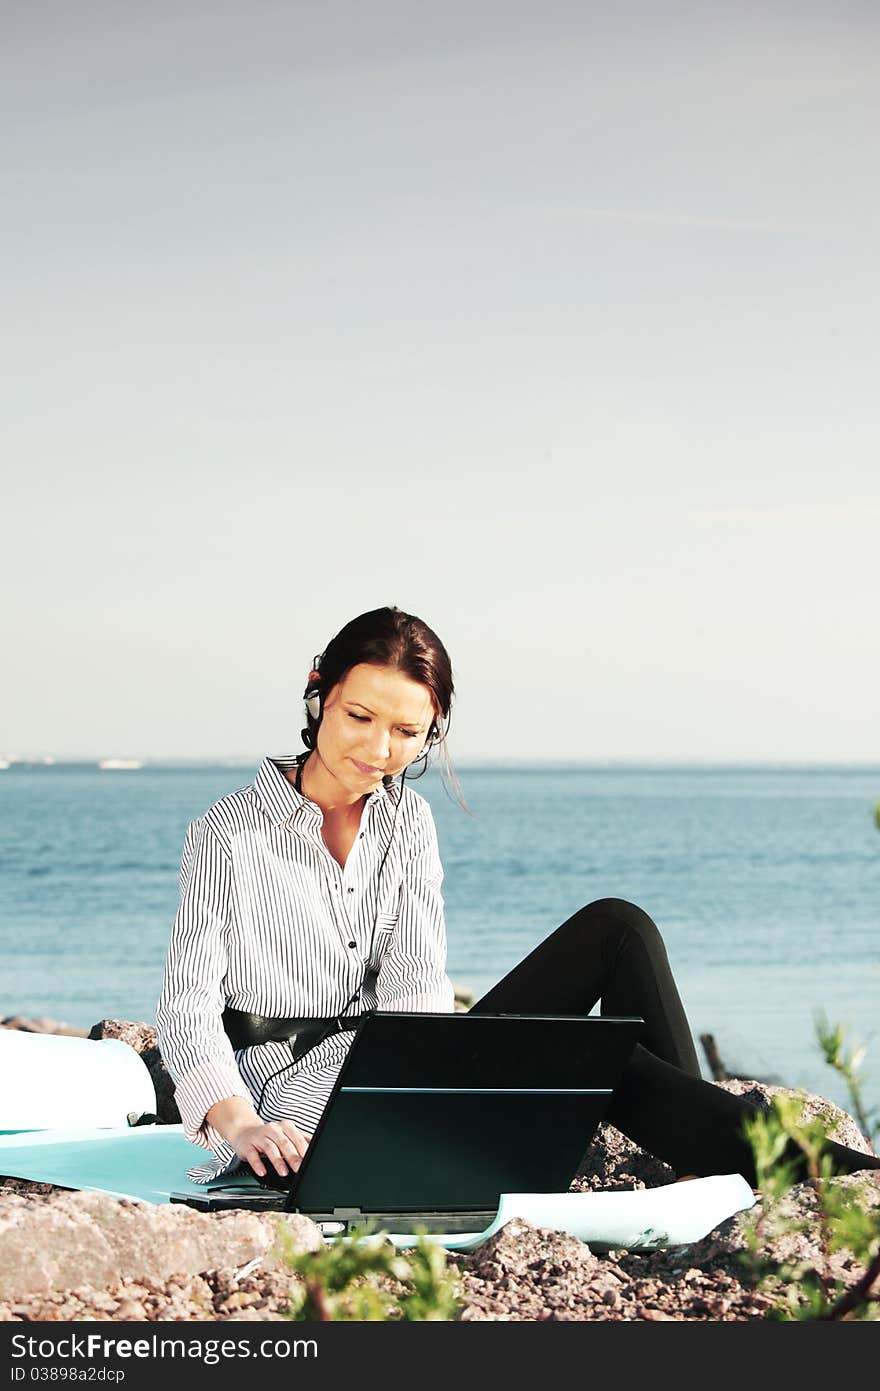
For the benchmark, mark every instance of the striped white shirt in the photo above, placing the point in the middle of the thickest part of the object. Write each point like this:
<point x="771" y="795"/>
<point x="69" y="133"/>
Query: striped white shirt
<point x="270" y="923"/>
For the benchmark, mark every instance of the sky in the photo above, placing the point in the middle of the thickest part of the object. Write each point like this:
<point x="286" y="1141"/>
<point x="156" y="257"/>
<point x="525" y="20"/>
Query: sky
<point x="554" y="324"/>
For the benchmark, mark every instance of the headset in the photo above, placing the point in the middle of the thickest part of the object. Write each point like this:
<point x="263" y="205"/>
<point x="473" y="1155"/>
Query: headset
<point x="312" y="700"/>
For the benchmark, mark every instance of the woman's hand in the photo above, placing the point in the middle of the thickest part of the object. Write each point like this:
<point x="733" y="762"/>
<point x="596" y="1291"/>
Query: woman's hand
<point x="279" y="1143"/>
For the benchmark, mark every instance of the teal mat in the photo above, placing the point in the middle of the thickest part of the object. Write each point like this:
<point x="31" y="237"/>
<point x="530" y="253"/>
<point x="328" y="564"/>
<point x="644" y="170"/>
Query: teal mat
<point x="143" y="1162"/>
<point x="148" y="1163"/>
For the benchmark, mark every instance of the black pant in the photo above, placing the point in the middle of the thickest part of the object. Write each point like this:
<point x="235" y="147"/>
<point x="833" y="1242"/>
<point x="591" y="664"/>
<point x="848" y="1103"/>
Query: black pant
<point x="612" y="951"/>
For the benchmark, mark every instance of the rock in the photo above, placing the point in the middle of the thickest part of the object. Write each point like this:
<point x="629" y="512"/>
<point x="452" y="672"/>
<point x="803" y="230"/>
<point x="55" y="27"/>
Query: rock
<point x="841" y="1126"/>
<point x="24" y="1185"/>
<point x="131" y="1311"/>
<point x="138" y="1036"/>
<point x="519" y="1247"/>
<point x="166" y="1107"/>
<point x="799" y="1206"/>
<point x="77" y="1238"/>
<point x="103" y="1301"/>
<point x="464" y="998"/>
<point x="613" y="1161"/>
<point x="40" y="1026"/>
<point x="528" y="1272"/>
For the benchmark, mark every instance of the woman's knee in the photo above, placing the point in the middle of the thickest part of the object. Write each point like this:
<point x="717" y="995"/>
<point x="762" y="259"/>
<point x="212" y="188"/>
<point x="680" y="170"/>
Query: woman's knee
<point x="627" y="918"/>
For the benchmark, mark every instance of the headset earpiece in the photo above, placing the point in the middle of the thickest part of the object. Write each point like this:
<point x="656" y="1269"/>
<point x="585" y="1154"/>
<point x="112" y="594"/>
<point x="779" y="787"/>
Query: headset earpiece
<point x="431" y="742"/>
<point x="312" y="694"/>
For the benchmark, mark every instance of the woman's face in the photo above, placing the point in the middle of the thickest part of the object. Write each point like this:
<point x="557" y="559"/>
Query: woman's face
<point x="375" y="721"/>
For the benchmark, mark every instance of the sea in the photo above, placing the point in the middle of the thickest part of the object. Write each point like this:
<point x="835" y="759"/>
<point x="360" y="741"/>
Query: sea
<point x="764" y="880"/>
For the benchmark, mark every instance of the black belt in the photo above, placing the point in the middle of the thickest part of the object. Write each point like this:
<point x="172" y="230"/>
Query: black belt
<point x="244" y="1030"/>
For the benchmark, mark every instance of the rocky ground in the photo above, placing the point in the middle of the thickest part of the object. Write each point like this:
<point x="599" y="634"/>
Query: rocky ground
<point x="85" y="1256"/>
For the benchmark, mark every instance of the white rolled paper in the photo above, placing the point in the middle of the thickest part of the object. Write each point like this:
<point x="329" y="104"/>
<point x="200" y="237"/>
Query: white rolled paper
<point x="633" y="1219"/>
<point x="49" y="1081"/>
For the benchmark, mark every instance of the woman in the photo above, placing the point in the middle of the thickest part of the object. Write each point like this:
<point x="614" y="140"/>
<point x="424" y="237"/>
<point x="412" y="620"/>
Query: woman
<point x="314" y="894"/>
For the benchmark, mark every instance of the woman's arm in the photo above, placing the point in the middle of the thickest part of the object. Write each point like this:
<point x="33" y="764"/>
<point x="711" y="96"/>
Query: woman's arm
<point x="193" y="1044"/>
<point x="413" y="972"/>
<point x="214" y="1103"/>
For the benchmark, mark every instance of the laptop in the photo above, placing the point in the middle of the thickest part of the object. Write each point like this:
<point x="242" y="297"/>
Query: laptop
<point x="433" y="1116"/>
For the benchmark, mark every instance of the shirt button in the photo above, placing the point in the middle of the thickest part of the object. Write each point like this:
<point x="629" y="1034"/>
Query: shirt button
<point x="352" y="944"/>
<point x="351" y="891"/>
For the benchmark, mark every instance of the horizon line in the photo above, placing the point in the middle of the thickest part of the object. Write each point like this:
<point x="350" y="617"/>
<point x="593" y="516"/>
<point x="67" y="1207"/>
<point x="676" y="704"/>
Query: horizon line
<point x="473" y="763"/>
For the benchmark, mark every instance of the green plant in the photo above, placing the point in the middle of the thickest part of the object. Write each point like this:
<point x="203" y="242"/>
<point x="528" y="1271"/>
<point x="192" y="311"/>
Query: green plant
<point x="366" y="1278"/>
<point x="847" y="1063"/>
<point x="845" y="1219"/>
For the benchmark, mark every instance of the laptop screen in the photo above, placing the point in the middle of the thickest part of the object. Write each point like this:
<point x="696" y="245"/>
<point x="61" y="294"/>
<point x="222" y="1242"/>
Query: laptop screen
<point x="446" y="1112"/>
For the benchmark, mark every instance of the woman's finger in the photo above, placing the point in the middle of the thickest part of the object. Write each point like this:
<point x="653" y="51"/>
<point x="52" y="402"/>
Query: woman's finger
<point x="288" y="1138"/>
<point x="261" y="1151"/>
<point x="291" y="1146"/>
<point x="280" y="1154"/>
<point x="253" y="1157"/>
<point x="299" y="1141"/>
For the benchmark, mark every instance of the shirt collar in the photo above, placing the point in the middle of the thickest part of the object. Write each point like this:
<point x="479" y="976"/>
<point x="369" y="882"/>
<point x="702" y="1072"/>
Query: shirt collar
<point x="280" y="800"/>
